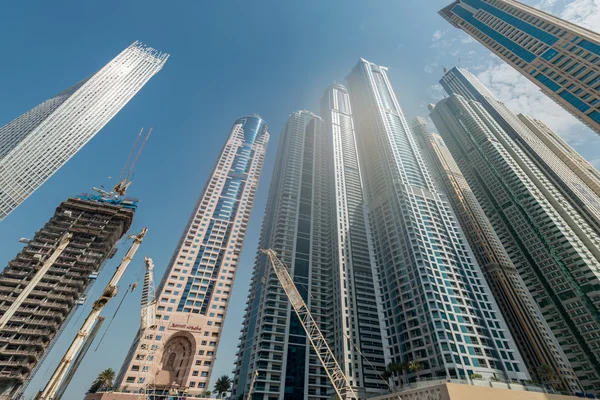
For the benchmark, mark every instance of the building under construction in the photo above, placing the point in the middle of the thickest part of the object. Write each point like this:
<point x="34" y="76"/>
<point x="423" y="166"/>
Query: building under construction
<point x="96" y="224"/>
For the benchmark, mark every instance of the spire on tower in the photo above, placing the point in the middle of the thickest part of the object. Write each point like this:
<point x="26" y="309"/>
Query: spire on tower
<point x="148" y="297"/>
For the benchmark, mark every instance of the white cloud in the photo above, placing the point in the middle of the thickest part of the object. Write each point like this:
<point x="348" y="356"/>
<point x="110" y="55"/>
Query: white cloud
<point x="467" y="39"/>
<point x="436" y="92"/>
<point x="522" y="96"/>
<point x="429" y="68"/>
<point x="454" y="53"/>
<point x="437" y="35"/>
<point x="581" y="12"/>
<point x="477" y="67"/>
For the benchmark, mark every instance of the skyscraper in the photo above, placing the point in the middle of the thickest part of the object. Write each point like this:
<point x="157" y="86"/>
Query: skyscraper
<point x="36" y="144"/>
<point x="560" y="57"/>
<point x="96" y="225"/>
<point x="297" y="225"/>
<point x="437" y="309"/>
<point x="553" y="248"/>
<point x="567" y="181"/>
<point x="572" y="159"/>
<point x="355" y="314"/>
<point x="315" y="202"/>
<point x="535" y="341"/>
<point x="193" y="296"/>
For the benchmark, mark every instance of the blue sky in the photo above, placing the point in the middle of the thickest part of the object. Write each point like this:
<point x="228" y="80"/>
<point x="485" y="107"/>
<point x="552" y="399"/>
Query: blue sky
<point x="228" y="59"/>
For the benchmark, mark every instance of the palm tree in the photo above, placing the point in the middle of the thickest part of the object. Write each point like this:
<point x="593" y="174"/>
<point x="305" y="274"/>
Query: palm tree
<point x="222" y="385"/>
<point x="546" y="373"/>
<point x="414" y="366"/>
<point x="386" y="375"/>
<point x="103" y="381"/>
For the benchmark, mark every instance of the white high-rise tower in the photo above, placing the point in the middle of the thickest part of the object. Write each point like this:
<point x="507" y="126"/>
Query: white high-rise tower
<point x="436" y="308"/>
<point x="36" y="144"/>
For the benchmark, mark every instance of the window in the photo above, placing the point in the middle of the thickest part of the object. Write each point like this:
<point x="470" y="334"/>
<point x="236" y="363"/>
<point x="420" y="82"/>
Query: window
<point x="130" y="379"/>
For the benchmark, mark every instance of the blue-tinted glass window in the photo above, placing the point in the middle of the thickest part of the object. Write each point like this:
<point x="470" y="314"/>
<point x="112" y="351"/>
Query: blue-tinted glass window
<point x="590" y="46"/>
<point x="550" y="54"/>
<point x="595" y="115"/>
<point x="547" y="82"/>
<point x="576" y="102"/>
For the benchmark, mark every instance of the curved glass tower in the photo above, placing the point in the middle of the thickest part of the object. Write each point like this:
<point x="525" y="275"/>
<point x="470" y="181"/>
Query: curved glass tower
<point x="193" y="296"/>
<point x="39" y="142"/>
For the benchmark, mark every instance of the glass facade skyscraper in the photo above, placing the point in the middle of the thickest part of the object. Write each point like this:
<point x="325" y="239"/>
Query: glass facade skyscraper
<point x="436" y="306"/>
<point x="572" y="159"/>
<point x="535" y="341"/>
<point x="39" y="142"/>
<point x="563" y="59"/>
<point x="297" y="225"/>
<point x="569" y="182"/>
<point x="193" y="296"/>
<point x="554" y="250"/>
<point x="355" y="321"/>
<point x="315" y="222"/>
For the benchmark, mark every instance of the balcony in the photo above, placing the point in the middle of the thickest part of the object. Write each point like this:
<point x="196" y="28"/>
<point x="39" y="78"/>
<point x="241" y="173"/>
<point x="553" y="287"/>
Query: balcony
<point x="31" y="353"/>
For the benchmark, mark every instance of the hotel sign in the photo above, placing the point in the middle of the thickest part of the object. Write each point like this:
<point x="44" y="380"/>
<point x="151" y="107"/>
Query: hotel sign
<point x="185" y="327"/>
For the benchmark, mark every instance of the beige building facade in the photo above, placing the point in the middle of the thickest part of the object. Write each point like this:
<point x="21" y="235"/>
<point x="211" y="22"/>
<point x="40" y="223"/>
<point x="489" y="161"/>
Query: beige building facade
<point x="177" y="353"/>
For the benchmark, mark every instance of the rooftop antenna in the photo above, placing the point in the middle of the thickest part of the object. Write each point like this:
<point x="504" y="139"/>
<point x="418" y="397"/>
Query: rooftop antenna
<point x="445" y="69"/>
<point x="126" y="177"/>
<point x="458" y="62"/>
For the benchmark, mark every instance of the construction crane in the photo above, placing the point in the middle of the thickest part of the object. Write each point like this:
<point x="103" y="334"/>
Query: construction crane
<point x="336" y="375"/>
<point x="148" y="319"/>
<point x="62" y="245"/>
<point x="60" y="392"/>
<point x="126" y="177"/>
<point x="249" y="397"/>
<point x="148" y="324"/>
<point x="110" y="291"/>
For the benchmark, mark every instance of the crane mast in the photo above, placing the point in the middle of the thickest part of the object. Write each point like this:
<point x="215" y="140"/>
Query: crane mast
<point x="249" y="397"/>
<point x="86" y="346"/>
<point x="336" y="375"/>
<point x="62" y="245"/>
<point x="110" y="291"/>
<point x="148" y="319"/>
